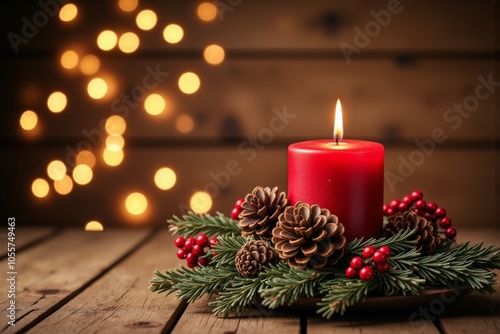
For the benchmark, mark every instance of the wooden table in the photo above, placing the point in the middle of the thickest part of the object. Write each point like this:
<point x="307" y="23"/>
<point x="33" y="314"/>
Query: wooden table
<point x="71" y="281"/>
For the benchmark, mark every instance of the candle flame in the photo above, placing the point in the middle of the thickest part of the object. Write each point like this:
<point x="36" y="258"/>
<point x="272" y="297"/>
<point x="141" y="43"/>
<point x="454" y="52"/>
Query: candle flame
<point x="338" y="129"/>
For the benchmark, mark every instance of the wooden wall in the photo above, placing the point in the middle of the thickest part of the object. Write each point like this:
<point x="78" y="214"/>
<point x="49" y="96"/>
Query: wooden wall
<point x="280" y="55"/>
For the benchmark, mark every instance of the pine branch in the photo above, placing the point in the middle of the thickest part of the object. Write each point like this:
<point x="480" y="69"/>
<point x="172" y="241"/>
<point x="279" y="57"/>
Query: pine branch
<point x="398" y="243"/>
<point x="243" y="292"/>
<point x="399" y="282"/>
<point x="225" y="250"/>
<point x="193" y="224"/>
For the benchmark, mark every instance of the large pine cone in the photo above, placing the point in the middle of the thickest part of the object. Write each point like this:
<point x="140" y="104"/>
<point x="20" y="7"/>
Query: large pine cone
<point x="309" y="236"/>
<point x="426" y="235"/>
<point x="253" y="255"/>
<point x="261" y="210"/>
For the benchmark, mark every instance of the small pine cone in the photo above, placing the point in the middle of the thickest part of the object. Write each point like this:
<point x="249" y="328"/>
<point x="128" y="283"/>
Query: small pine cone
<point x="426" y="236"/>
<point x="253" y="255"/>
<point x="260" y="211"/>
<point x="309" y="236"/>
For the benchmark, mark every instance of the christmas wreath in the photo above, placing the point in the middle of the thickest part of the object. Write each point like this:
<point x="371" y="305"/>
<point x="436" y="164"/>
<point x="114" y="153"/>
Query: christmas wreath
<point x="273" y="253"/>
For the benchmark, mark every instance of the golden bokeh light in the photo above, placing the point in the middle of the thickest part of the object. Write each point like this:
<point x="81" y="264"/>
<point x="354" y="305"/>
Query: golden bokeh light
<point x="28" y="120"/>
<point x="68" y="12"/>
<point x="82" y="174"/>
<point x="165" y="178"/>
<point x="200" y="202"/>
<point x="173" y="33"/>
<point x="154" y="104"/>
<point x="85" y="158"/>
<point x="115" y="143"/>
<point x="136" y="203"/>
<point x="112" y="158"/>
<point x="56" y="170"/>
<point x="128" y="5"/>
<point x="57" y="102"/>
<point x="94" y="226"/>
<point x="214" y="54"/>
<point x="146" y="19"/>
<point x="189" y="83"/>
<point x="128" y="42"/>
<point x="89" y="65"/>
<point x="115" y="125"/>
<point x="64" y="185"/>
<point x="97" y="88"/>
<point x="69" y="59"/>
<point x="107" y="40"/>
<point x="184" y="124"/>
<point x="40" y="188"/>
<point x="207" y="11"/>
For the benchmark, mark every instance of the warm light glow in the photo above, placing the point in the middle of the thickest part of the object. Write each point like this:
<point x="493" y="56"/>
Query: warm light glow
<point x="82" y="174"/>
<point x="112" y="158"/>
<point x="85" y="158"/>
<point x="146" y="19"/>
<point x="28" y="120"/>
<point x="200" y="202"/>
<point x="184" y="124"/>
<point x="165" y="178"/>
<point x="115" y="143"/>
<point x="128" y="42"/>
<point x="189" y="83"/>
<point x="115" y="125"/>
<point x="40" y="188"/>
<point x="136" y="203"/>
<point x="154" y="104"/>
<point x="173" y="33"/>
<point x="56" y="170"/>
<point x="68" y="12"/>
<point x="97" y="88"/>
<point x="128" y="5"/>
<point x="107" y="40"/>
<point x="64" y="185"/>
<point x="214" y="54"/>
<point x="338" y="128"/>
<point x="89" y="64"/>
<point x="94" y="226"/>
<point x="57" y="102"/>
<point x="69" y="59"/>
<point x="207" y="11"/>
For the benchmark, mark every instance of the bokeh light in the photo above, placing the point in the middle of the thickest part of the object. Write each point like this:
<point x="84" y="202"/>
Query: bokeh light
<point x="97" y="88"/>
<point x="136" y="203"/>
<point x="89" y="64"/>
<point x="85" y="157"/>
<point x="94" y="226"/>
<point x="69" y="59"/>
<point x="57" y="102"/>
<point x="112" y="158"/>
<point x="128" y="42"/>
<point x="107" y="40"/>
<point x="115" y="125"/>
<point x="64" y="185"/>
<point x="115" y="143"/>
<point x="184" y="123"/>
<point x="189" y="83"/>
<point x="68" y="12"/>
<point x="40" y="188"/>
<point x="128" y="5"/>
<point x="165" y="178"/>
<point x="146" y="19"/>
<point x="154" y="104"/>
<point x="28" y="120"/>
<point x="214" y="54"/>
<point x="56" y="170"/>
<point x="207" y="11"/>
<point x="173" y="33"/>
<point x="82" y="174"/>
<point x="200" y="202"/>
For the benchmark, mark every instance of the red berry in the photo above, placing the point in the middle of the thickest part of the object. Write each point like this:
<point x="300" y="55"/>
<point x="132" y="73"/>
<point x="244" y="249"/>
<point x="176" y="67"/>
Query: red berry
<point x="356" y="262"/>
<point x="390" y="211"/>
<point x="179" y="242"/>
<point x="181" y="253"/>
<point x="440" y="212"/>
<point x="383" y="267"/>
<point x="378" y="257"/>
<point x="445" y="222"/>
<point x="384" y="208"/>
<point x="431" y="207"/>
<point x="385" y="250"/>
<point x="198" y="250"/>
<point x="191" y="258"/>
<point x="420" y="205"/>
<point x="419" y="212"/>
<point x="190" y="242"/>
<point x="427" y="216"/>
<point x="212" y="242"/>
<point x="203" y="261"/>
<point x="368" y="252"/>
<point x="191" y="265"/>
<point x="394" y="204"/>
<point x="366" y="273"/>
<point x="450" y="233"/>
<point x="351" y="272"/>
<point x="235" y="213"/>
<point x="238" y="202"/>
<point x="408" y="200"/>
<point x="202" y="240"/>
<point x="402" y="207"/>
<point x="416" y="195"/>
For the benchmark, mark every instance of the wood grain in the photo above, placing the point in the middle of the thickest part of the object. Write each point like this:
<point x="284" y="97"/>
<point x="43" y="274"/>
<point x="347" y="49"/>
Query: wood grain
<point x="26" y="236"/>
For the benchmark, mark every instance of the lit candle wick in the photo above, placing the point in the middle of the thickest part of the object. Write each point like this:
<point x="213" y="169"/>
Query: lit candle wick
<point x="338" y="129"/>
<point x="337" y="139"/>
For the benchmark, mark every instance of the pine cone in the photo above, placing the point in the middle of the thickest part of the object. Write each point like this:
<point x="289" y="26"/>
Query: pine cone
<point x="426" y="235"/>
<point x="309" y="236"/>
<point x="253" y="255"/>
<point x="260" y="211"/>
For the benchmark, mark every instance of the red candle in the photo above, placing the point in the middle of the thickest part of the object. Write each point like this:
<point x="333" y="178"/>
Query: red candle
<point x="344" y="176"/>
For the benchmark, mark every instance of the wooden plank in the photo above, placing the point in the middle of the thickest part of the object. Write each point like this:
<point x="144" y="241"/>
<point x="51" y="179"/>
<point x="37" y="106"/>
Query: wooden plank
<point x="26" y="236"/>
<point x="51" y="273"/>
<point x="120" y="302"/>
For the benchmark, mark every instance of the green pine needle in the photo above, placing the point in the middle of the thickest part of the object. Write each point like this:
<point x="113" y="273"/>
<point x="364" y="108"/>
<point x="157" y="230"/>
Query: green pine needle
<point x="193" y="224"/>
<point x="242" y="293"/>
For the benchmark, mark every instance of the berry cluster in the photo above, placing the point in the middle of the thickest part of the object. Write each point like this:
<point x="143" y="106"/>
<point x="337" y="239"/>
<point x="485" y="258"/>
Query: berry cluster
<point x="373" y="258"/>
<point x="429" y="210"/>
<point x="237" y="209"/>
<point x="193" y="249"/>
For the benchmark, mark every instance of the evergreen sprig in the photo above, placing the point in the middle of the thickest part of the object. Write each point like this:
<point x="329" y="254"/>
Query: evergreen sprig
<point x="225" y="250"/>
<point x="242" y="293"/>
<point x="192" y="224"/>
